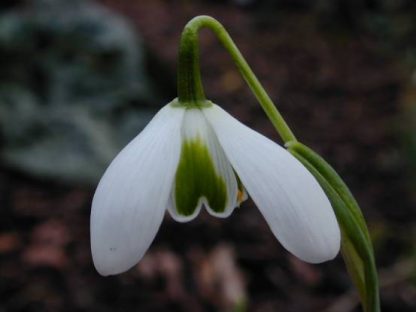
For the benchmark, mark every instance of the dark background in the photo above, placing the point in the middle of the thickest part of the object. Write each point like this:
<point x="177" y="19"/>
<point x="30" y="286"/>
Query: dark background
<point x="75" y="87"/>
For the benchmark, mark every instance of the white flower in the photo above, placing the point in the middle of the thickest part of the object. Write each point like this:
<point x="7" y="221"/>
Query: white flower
<point x="187" y="158"/>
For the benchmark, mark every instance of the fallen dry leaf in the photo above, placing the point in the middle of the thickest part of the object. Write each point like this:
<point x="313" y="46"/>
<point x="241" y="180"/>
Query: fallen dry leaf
<point x="52" y="232"/>
<point x="47" y="247"/>
<point x="308" y="273"/>
<point x="219" y="277"/>
<point x="9" y="242"/>
<point x="45" y="255"/>
<point x="167" y="265"/>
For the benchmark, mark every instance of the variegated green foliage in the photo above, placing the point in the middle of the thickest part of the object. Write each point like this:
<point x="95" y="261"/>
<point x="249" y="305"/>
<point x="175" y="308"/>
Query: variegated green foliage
<point x="72" y="88"/>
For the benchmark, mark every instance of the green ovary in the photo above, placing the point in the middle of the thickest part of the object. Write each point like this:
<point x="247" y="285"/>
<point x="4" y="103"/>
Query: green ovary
<point x="196" y="178"/>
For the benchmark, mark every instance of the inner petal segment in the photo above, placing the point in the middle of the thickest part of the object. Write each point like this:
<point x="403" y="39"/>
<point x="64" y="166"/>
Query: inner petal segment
<point x="197" y="177"/>
<point x="204" y="175"/>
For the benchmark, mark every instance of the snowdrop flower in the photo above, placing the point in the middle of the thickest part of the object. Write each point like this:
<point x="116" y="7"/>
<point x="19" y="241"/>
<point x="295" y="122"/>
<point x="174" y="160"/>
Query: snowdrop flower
<point x="189" y="158"/>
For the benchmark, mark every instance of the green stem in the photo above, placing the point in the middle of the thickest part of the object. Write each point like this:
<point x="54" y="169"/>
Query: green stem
<point x="189" y="77"/>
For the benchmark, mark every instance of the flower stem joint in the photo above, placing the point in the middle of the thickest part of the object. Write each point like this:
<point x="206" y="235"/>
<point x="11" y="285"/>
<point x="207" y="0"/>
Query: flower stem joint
<point x="193" y="154"/>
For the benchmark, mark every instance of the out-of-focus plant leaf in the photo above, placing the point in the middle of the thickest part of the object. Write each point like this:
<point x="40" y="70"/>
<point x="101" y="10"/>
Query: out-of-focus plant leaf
<point x="72" y="88"/>
<point x="408" y="130"/>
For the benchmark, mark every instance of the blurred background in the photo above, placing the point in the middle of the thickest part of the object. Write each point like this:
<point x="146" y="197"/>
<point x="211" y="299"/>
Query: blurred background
<point x="79" y="79"/>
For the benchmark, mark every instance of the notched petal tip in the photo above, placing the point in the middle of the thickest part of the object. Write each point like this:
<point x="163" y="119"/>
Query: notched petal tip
<point x="182" y="218"/>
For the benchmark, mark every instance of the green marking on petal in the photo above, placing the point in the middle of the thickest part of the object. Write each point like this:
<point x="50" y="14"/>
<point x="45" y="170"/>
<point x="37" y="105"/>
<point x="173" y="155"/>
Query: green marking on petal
<point x="196" y="178"/>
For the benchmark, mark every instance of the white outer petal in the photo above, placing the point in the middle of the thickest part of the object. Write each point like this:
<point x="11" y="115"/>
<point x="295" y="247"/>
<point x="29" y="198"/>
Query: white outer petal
<point x="291" y="200"/>
<point x="131" y="198"/>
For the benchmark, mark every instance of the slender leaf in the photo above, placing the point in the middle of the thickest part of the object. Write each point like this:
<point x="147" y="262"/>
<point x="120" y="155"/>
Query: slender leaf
<point x="357" y="249"/>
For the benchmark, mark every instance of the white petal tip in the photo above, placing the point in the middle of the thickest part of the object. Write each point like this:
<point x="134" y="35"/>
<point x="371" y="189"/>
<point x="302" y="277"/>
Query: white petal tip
<point x="111" y="258"/>
<point x="321" y="257"/>
<point x="106" y="270"/>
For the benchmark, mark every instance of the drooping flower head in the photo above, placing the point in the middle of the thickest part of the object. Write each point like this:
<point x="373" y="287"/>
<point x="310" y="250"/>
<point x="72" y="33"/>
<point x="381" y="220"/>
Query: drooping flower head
<point x="193" y="157"/>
